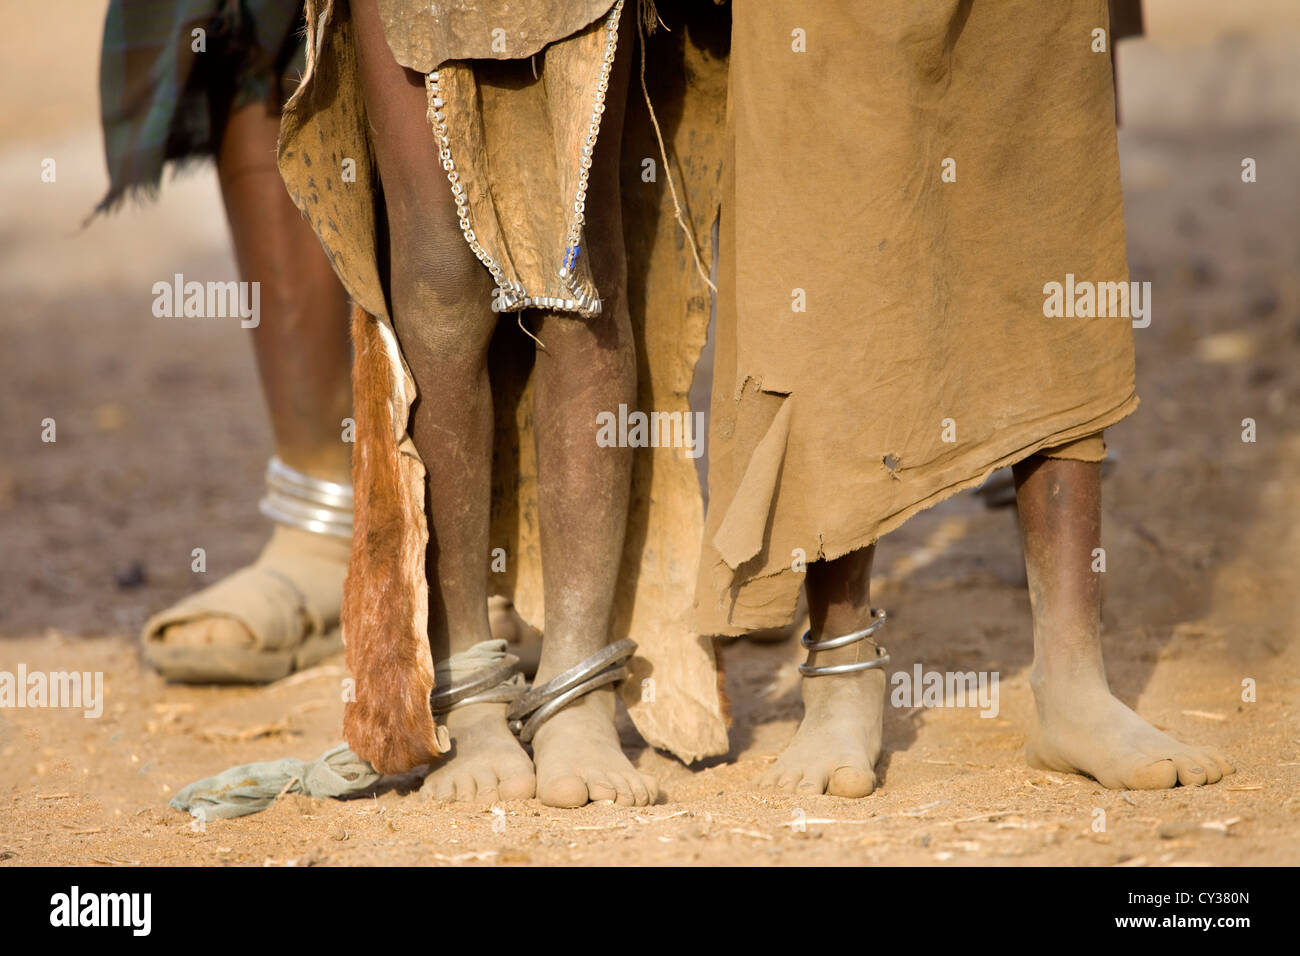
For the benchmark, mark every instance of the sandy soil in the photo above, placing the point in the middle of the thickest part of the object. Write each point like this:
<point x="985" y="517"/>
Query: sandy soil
<point x="162" y="438"/>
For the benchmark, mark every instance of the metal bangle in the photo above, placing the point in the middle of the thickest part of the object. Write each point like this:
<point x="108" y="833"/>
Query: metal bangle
<point x="606" y="666"/>
<point x="479" y="684"/>
<point x="501" y="694"/>
<point x="882" y="658"/>
<point x="614" y="654"/>
<point x="525" y="730"/>
<point x="298" y="500"/>
<point x="299" y="484"/>
<point x="830" y="644"/>
<point x="295" y="514"/>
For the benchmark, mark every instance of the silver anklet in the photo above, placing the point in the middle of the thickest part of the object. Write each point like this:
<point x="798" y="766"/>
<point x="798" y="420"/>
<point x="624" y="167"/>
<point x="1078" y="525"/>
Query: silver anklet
<point x="881" y="658"/>
<point x="606" y="666"/>
<point x="491" y="685"/>
<point x="298" y="500"/>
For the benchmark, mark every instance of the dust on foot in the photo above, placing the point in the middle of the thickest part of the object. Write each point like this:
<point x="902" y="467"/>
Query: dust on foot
<point x="579" y="759"/>
<point x="486" y="763"/>
<point x="837" y="744"/>
<point x="1092" y="733"/>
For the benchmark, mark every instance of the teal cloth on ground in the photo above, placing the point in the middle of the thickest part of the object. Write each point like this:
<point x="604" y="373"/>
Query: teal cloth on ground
<point x="337" y="772"/>
<point x="255" y="786"/>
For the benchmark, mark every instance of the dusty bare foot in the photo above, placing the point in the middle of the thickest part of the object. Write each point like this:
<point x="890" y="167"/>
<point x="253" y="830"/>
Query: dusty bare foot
<point x="1084" y="729"/>
<point x="579" y="758"/>
<point x="837" y="744"/>
<point x="486" y="763"/>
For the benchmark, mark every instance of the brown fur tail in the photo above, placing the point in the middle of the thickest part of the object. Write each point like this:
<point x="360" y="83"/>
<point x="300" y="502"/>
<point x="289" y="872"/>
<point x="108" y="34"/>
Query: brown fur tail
<point x="384" y="599"/>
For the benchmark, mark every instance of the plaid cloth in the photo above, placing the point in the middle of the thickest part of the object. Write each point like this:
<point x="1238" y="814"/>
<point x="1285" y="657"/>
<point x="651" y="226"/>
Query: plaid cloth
<point x="161" y="100"/>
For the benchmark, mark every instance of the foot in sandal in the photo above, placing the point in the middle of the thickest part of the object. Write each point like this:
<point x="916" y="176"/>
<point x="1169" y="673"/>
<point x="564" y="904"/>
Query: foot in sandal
<point x="279" y="614"/>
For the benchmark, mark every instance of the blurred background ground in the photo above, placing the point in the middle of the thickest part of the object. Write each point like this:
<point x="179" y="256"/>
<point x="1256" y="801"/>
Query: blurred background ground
<point x="162" y="440"/>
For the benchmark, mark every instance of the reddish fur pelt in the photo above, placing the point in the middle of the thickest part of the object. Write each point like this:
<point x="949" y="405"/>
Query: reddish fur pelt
<point x="389" y="722"/>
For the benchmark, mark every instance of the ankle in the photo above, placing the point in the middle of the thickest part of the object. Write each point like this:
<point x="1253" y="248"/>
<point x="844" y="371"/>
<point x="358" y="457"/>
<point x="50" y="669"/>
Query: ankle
<point x="295" y="542"/>
<point x="1049" y="680"/>
<point x="469" y="715"/>
<point x="829" y="689"/>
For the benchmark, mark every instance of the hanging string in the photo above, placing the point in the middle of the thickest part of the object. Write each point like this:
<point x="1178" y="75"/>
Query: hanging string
<point x="646" y="23"/>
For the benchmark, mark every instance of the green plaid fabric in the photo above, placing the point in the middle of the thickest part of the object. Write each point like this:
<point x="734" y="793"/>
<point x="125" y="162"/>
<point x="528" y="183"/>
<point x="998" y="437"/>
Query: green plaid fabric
<point x="161" y="100"/>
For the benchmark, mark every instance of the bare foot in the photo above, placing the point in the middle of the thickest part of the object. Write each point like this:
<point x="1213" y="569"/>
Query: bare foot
<point x="579" y="759"/>
<point x="486" y="763"/>
<point x="1086" y="730"/>
<point x="837" y="744"/>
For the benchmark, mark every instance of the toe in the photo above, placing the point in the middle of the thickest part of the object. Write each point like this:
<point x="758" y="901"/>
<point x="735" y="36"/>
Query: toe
<point x="651" y="789"/>
<point x="789" y="780"/>
<point x="851" y="782"/>
<point x="567" y="791"/>
<point x="207" y="632"/>
<point x="518" y="786"/>
<point x="1221" y="762"/>
<point x="770" y="779"/>
<point x="1190" y="772"/>
<point x="640" y="793"/>
<point x="602" y="787"/>
<point x="1157" y="775"/>
<point x="464" y="788"/>
<point x="624" y="794"/>
<point x="813" y="781"/>
<point x="485" y="787"/>
<point x="1207" y="763"/>
<point x="439" y="787"/>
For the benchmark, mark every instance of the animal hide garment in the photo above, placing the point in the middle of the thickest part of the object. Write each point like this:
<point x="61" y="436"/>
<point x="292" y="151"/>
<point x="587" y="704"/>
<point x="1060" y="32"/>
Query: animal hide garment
<point x="674" y="695"/>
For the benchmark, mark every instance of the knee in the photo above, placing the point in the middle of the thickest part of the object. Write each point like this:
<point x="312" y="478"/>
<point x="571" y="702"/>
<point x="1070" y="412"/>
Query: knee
<point x="441" y="293"/>
<point x="439" y="273"/>
<point x="431" y="263"/>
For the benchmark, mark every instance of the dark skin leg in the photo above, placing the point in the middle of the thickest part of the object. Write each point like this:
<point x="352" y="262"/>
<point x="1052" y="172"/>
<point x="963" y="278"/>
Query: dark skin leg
<point x="301" y="342"/>
<point x="837" y="744"/>
<point x="441" y="314"/>
<point x="588" y="367"/>
<point x="1082" y="728"/>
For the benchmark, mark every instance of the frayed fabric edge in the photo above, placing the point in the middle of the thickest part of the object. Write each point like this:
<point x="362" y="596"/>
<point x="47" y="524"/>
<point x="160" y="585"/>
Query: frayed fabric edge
<point x="831" y="547"/>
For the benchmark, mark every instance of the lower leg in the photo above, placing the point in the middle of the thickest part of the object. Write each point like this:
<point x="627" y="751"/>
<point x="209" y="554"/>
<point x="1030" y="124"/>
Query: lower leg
<point x="837" y="744"/>
<point x="303" y="357"/>
<point x="440" y="302"/>
<point x="301" y="343"/>
<point x="1082" y="727"/>
<point x="587" y="367"/>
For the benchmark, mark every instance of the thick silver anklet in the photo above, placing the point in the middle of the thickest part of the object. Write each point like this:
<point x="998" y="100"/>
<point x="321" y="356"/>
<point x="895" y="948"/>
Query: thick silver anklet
<point x="491" y="685"/>
<point x="298" y="500"/>
<point x="534" y="708"/>
<point x="880" y="660"/>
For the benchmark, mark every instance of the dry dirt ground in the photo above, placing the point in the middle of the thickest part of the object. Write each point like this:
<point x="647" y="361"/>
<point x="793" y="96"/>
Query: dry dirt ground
<point x="161" y="441"/>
